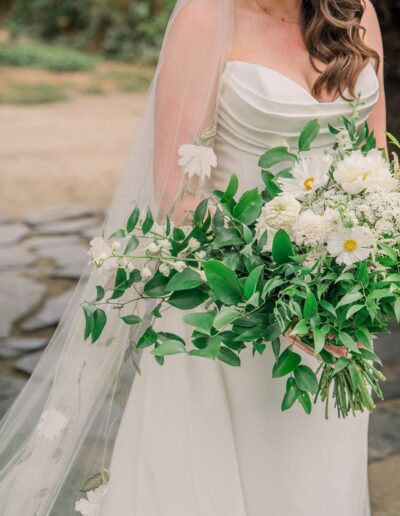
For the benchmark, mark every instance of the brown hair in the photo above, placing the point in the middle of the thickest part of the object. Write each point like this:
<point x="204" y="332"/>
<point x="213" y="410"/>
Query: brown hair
<point x="333" y="34"/>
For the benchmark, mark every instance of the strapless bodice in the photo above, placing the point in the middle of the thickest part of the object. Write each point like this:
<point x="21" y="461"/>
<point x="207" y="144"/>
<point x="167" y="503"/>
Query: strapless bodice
<point x="259" y="108"/>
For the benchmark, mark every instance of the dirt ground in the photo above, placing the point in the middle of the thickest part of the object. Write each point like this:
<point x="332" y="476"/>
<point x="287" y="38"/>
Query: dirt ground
<point x="73" y="151"/>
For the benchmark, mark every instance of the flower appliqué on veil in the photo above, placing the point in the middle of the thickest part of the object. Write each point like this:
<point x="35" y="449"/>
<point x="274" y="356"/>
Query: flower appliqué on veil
<point x="91" y="506"/>
<point x="197" y="160"/>
<point x="51" y="424"/>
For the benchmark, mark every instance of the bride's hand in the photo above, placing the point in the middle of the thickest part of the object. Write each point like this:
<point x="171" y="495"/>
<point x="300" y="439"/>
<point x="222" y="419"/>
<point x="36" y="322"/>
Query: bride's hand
<point x="336" y="351"/>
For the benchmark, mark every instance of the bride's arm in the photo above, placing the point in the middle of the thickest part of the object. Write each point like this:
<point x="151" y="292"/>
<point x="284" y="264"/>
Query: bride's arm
<point x="373" y="38"/>
<point x="185" y="99"/>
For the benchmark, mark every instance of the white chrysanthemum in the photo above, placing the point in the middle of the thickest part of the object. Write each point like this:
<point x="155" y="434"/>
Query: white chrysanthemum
<point x="310" y="173"/>
<point x="51" y="424"/>
<point x="350" y="245"/>
<point x="280" y="213"/>
<point x="164" y="269"/>
<point x="197" y="160"/>
<point x="311" y="229"/>
<point x="180" y="266"/>
<point x="357" y="172"/>
<point x="91" y="506"/>
<point x="146" y="274"/>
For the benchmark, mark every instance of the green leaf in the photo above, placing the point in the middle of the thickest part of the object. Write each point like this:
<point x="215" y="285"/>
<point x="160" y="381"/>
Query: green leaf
<point x="276" y="347"/>
<point x="286" y="363"/>
<point x="282" y="248"/>
<point x="251" y="282"/>
<point x="328" y="307"/>
<point x="120" y="233"/>
<point x="231" y="189"/>
<point x="393" y="139"/>
<point x="290" y="395"/>
<point x="348" y="341"/>
<point x="210" y="351"/>
<point x="148" y="222"/>
<point x="274" y="156"/>
<point x="306" y="379"/>
<point x="227" y="237"/>
<point x="169" y="347"/>
<point x="353" y="310"/>
<point x="305" y="401"/>
<point x="132" y="220"/>
<point x="99" y="321"/>
<point x="185" y="280"/>
<point x="132" y="244"/>
<point x="89" y="320"/>
<point x="248" y="207"/>
<point x="301" y="328"/>
<point x="100" y="292"/>
<point x="156" y="286"/>
<point x="396" y="308"/>
<point x="228" y="356"/>
<point x="270" y="184"/>
<point x="187" y="299"/>
<point x="131" y="319"/>
<point x="200" y="212"/>
<point x="203" y="322"/>
<point x="225" y="317"/>
<point x="223" y="282"/>
<point x="308" y="135"/>
<point x="341" y="364"/>
<point x="310" y="306"/>
<point x="319" y="340"/>
<point x="148" y="338"/>
<point x="349" y="298"/>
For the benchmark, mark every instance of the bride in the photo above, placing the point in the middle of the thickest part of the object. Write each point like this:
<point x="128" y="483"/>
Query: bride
<point x="90" y="436"/>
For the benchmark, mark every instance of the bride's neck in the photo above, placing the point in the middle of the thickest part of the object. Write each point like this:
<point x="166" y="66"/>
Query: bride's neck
<point x="288" y="8"/>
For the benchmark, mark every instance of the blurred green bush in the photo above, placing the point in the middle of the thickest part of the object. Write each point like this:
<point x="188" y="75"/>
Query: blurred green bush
<point x="120" y="29"/>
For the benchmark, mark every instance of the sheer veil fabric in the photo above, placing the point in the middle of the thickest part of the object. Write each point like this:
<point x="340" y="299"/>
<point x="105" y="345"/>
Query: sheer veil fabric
<point x="62" y="427"/>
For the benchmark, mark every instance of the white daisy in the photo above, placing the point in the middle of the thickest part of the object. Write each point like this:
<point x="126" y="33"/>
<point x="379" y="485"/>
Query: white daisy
<point x="51" y="424"/>
<point x="310" y="173"/>
<point x="91" y="506"/>
<point x="197" y="160"/>
<point x="350" y="245"/>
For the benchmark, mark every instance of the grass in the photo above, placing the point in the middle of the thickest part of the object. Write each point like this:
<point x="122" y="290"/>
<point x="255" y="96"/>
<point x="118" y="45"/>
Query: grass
<point x="31" y="94"/>
<point x="54" y="58"/>
<point x="128" y="80"/>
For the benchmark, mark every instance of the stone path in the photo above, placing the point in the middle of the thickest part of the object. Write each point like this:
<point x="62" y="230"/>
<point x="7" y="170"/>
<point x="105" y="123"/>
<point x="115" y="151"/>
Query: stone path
<point x="41" y="258"/>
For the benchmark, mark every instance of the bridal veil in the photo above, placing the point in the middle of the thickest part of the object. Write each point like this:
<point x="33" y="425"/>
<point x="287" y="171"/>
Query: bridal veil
<point x="61" y="429"/>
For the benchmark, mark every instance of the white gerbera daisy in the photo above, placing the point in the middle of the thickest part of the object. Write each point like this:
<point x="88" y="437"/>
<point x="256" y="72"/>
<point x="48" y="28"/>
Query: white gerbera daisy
<point x="91" y="506"/>
<point x="310" y="173"/>
<point x="51" y="424"/>
<point x="197" y="160"/>
<point x="351" y="245"/>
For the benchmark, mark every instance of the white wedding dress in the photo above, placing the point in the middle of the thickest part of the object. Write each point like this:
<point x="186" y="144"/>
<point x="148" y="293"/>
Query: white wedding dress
<point x="200" y="438"/>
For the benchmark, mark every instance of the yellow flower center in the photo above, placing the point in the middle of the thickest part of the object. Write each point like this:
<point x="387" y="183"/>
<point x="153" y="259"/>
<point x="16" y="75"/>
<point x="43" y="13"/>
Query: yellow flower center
<point x="308" y="183"/>
<point x="350" y="245"/>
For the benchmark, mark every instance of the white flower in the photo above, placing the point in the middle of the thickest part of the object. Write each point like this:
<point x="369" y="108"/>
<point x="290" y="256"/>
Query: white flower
<point x="350" y="245"/>
<point x="343" y="140"/>
<point x="165" y="244"/>
<point x="310" y="173"/>
<point x="146" y="274"/>
<point x="115" y="245"/>
<point x="197" y="160"/>
<point x="193" y="244"/>
<point x="180" y="266"/>
<point x="200" y="255"/>
<point x="164" y="269"/>
<point x="51" y="424"/>
<point x="91" y="506"/>
<point x="153" y="248"/>
<point x="280" y="213"/>
<point x="131" y="266"/>
<point x="311" y="229"/>
<point x="357" y="172"/>
<point x="100" y="253"/>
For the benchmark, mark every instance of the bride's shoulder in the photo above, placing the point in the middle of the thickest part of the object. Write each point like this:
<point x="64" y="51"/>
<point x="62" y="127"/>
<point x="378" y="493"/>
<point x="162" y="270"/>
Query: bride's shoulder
<point x="200" y="15"/>
<point x="370" y="21"/>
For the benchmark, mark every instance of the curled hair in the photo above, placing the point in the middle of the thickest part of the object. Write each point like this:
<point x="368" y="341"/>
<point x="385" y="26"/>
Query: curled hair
<point x="333" y="34"/>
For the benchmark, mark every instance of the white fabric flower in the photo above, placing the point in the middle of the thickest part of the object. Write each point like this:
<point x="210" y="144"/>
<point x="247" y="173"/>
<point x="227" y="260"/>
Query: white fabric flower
<point x="357" y="172"/>
<point x="311" y="229"/>
<point x="180" y="266"/>
<point x="197" y="160"/>
<point x="91" y="506"/>
<point x="146" y="274"/>
<point x="350" y="245"/>
<point x="51" y="424"/>
<point x="310" y="173"/>
<point x="280" y="213"/>
<point x="164" y="269"/>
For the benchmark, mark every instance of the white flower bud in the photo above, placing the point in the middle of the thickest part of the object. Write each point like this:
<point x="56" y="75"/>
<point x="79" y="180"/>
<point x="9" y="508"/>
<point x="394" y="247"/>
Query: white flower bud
<point x="115" y="246"/>
<point x="180" y="266"/>
<point x="146" y="274"/>
<point x="164" y="269"/>
<point x="153" y="248"/>
<point x="165" y="244"/>
<point x="194" y="244"/>
<point x="200" y="255"/>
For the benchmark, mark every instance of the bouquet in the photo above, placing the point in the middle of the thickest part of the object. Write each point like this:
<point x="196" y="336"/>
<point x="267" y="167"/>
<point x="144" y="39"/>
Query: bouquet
<point x="313" y="256"/>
